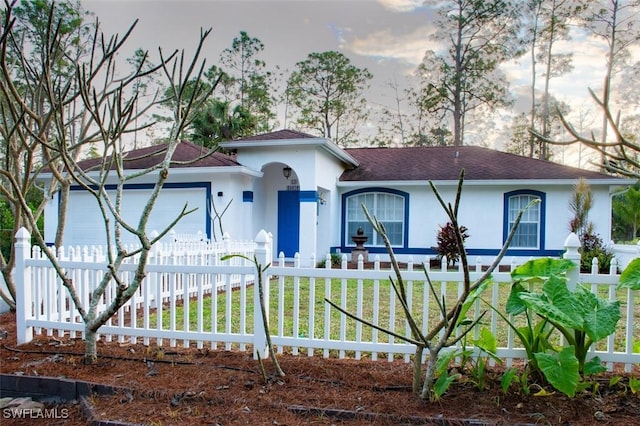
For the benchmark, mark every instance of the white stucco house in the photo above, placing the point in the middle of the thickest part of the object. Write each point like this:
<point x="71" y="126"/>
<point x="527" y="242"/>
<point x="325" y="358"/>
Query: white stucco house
<point x="307" y="192"/>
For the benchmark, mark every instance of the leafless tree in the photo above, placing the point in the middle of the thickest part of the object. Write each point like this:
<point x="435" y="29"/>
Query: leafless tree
<point x="40" y="110"/>
<point x="620" y="154"/>
<point x="616" y="23"/>
<point x="549" y="24"/>
<point x="449" y="329"/>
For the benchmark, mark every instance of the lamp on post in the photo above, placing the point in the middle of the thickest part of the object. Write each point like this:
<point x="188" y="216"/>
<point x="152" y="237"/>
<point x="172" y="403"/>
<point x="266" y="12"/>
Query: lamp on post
<point x="286" y="172"/>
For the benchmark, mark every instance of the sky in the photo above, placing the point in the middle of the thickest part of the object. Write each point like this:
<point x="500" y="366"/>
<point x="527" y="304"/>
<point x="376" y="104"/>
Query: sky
<point x="388" y="37"/>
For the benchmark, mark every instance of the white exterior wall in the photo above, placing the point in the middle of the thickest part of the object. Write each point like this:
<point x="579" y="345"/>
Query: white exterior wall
<point x="328" y="224"/>
<point x="482" y="211"/>
<point x="600" y="213"/>
<point x="85" y="224"/>
<point x="50" y="220"/>
<point x="316" y="169"/>
<point x="231" y="187"/>
<point x="313" y="169"/>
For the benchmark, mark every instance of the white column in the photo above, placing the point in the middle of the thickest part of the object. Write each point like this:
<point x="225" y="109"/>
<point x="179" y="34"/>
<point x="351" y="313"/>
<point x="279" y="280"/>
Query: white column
<point x="308" y="226"/>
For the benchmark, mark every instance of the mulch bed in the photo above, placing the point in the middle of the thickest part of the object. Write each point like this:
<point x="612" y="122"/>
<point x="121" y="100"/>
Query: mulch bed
<point x="167" y="386"/>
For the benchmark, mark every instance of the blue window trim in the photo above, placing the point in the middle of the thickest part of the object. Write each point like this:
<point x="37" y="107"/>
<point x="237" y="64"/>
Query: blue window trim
<point x="540" y="251"/>
<point x="247" y="196"/>
<point x="345" y="247"/>
<point x="180" y="185"/>
<point x="423" y="251"/>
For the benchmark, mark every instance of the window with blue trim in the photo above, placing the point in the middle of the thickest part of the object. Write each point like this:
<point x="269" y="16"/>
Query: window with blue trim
<point x="388" y="208"/>
<point x="527" y="235"/>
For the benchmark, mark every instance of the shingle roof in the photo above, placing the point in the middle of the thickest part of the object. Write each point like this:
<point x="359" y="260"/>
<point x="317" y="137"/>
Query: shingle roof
<point x="381" y="164"/>
<point x="185" y="152"/>
<point x="445" y="163"/>
<point x="277" y="135"/>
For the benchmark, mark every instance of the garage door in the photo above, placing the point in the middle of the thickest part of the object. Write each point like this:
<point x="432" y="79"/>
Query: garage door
<point x="85" y="225"/>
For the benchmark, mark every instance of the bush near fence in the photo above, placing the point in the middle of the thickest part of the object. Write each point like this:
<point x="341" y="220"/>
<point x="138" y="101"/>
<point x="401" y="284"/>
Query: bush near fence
<point x="180" y="288"/>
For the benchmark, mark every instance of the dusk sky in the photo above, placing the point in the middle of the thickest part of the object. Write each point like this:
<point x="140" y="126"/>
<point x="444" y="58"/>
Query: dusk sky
<point x="388" y="37"/>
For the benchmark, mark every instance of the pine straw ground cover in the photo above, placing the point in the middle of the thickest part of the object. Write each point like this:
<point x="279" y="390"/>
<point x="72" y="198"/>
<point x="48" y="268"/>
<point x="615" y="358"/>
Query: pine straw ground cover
<point x="215" y="387"/>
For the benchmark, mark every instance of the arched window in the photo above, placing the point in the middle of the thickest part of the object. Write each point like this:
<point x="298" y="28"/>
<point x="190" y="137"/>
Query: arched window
<point x="529" y="234"/>
<point x="388" y="206"/>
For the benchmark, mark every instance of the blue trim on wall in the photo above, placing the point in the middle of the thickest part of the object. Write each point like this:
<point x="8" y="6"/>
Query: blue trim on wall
<point x="343" y="219"/>
<point x="178" y="185"/>
<point x="308" y="196"/>
<point x="247" y="196"/>
<point x="470" y="252"/>
<point x="542" y="230"/>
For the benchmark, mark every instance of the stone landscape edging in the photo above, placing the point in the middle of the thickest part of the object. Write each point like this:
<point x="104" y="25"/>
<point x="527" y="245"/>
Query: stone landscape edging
<point x="60" y="390"/>
<point x="63" y="390"/>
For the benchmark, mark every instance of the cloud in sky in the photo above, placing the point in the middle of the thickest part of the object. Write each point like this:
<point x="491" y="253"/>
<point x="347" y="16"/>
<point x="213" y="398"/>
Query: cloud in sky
<point x="402" y="5"/>
<point x="407" y="48"/>
<point x="388" y="37"/>
<point x="588" y="71"/>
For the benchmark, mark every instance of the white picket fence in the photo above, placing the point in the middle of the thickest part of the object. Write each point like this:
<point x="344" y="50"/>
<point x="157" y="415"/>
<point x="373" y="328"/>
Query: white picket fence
<point x="304" y="322"/>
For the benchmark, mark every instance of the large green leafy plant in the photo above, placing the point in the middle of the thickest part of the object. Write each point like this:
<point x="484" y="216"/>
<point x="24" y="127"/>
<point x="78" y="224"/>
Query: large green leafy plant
<point x="541" y="288"/>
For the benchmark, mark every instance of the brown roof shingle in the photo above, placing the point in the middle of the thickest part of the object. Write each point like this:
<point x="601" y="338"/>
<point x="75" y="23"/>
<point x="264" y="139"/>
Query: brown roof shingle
<point x="185" y="152"/>
<point x="445" y="163"/>
<point x="277" y="135"/>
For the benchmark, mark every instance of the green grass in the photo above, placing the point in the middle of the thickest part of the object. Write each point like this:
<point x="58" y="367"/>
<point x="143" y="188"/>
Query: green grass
<point x="227" y="306"/>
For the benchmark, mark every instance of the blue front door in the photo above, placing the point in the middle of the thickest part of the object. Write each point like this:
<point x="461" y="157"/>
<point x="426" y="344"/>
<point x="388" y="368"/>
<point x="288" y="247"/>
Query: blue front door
<point x="288" y="222"/>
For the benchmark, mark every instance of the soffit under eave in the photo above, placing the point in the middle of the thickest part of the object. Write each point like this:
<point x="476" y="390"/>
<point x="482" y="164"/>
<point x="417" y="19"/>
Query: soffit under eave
<point x="323" y="143"/>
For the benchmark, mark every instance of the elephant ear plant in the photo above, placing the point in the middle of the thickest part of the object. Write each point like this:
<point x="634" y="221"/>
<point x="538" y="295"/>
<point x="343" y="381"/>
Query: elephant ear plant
<point x="453" y="324"/>
<point x="630" y="277"/>
<point x="541" y="289"/>
<point x="630" y="281"/>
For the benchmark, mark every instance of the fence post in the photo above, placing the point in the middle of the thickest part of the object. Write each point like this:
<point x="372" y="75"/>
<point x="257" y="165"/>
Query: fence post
<point x="22" y="279"/>
<point x="263" y="259"/>
<point x="226" y="239"/>
<point x="571" y="245"/>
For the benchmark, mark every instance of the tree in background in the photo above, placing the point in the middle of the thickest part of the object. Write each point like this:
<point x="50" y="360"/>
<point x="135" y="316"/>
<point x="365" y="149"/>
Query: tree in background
<point x="8" y="225"/>
<point x="616" y="23"/>
<point x="41" y="95"/>
<point x="217" y="121"/>
<point x="393" y="121"/>
<point x="198" y="90"/>
<point x="144" y="86"/>
<point x="620" y="156"/>
<point x="32" y="66"/>
<point x="626" y="214"/>
<point x="520" y="141"/>
<point x="548" y="25"/>
<point x="465" y="79"/>
<point x="250" y="83"/>
<point x="239" y="97"/>
<point x="327" y="92"/>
